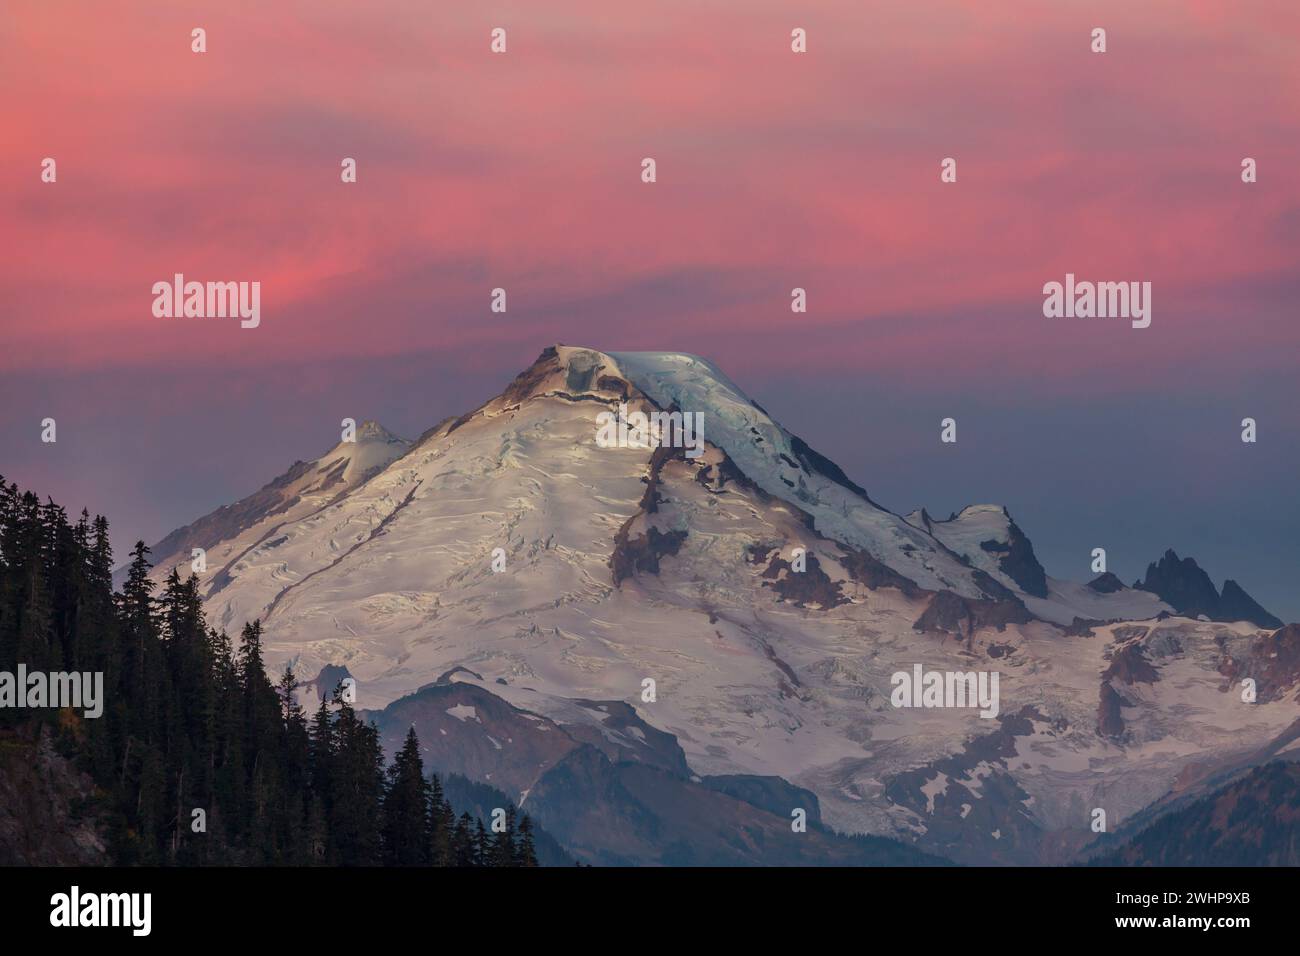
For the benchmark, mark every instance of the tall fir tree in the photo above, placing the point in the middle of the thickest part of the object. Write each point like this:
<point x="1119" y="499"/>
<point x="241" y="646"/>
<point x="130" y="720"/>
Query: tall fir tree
<point x="526" y="852"/>
<point x="407" y="840"/>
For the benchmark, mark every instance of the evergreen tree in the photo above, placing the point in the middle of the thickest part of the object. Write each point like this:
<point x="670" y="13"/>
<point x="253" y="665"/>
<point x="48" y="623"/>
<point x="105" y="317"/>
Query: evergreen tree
<point x="295" y="762"/>
<point x="190" y="724"/>
<point x="141" y="666"/>
<point x="463" y="850"/>
<point x="482" y="849"/>
<point x="526" y="852"/>
<point x="502" y="848"/>
<point x="442" y="825"/>
<point x="406" y="808"/>
<point x="358" y="786"/>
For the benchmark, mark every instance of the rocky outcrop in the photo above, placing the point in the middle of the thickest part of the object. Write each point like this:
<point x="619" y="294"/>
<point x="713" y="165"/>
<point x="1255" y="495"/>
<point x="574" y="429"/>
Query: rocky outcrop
<point x="1183" y="585"/>
<point x="874" y="574"/>
<point x="1271" y="660"/>
<point x="1017" y="560"/>
<point x="953" y="614"/>
<point x="1129" y="665"/>
<point x="1110" y="719"/>
<point x="811" y="587"/>
<point x="1107" y="583"/>
<point x="642" y="553"/>
<point x="48" y="814"/>
<point x="986" y="539"/>
<point x="1236" y="605"/>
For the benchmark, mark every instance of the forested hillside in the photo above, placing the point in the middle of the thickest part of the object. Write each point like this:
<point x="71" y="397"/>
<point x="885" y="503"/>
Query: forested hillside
<point x="197" y="757"/>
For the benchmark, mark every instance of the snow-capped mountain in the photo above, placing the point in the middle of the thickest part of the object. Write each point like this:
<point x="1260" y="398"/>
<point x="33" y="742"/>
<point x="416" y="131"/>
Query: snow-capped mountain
<point x="770" y="601"/>
<point x="986" y="536"/>
<point x="228" y="533"/>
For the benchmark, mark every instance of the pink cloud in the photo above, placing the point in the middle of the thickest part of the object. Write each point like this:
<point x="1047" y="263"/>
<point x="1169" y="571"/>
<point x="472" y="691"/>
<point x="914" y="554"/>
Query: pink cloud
<point x="775" y="170"/>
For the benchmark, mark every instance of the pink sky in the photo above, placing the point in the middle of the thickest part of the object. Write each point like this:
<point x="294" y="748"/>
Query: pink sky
<point x="775" y="170"/>
<point x="523" y="171"/>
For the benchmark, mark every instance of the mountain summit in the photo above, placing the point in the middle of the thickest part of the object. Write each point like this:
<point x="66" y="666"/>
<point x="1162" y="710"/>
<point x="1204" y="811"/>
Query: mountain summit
<point x="1184" y="586"/>
<point x="732" y="621"/>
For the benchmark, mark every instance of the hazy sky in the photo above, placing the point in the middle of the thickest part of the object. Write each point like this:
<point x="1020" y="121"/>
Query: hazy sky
<point x="775" y="170"/>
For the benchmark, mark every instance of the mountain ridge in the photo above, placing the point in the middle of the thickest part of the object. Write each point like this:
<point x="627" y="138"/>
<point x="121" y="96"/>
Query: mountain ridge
<point x="1181" y="583"/>
<point x="767" y="599"/>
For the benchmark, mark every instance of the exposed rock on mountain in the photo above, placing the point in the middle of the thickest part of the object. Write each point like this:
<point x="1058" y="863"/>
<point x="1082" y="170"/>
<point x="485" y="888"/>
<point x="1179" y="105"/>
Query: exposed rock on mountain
<point x="47" y="810"/>
<point x="1271" y="660"/>
<point x="1106" y="583"/>
<point x="1184" y="586"/>
<point x="1236" y="605"/>
<point x="986" y="536"/>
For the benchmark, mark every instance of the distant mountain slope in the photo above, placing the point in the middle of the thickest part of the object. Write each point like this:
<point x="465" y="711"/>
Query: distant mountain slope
<point x="783" y="466"/>
<point x="480" y="800"/>
<point x="230" y="532"/>
<point x="614" y="790"/>
<point x="1252" y="822"/>
<point x="987" y="537"/>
